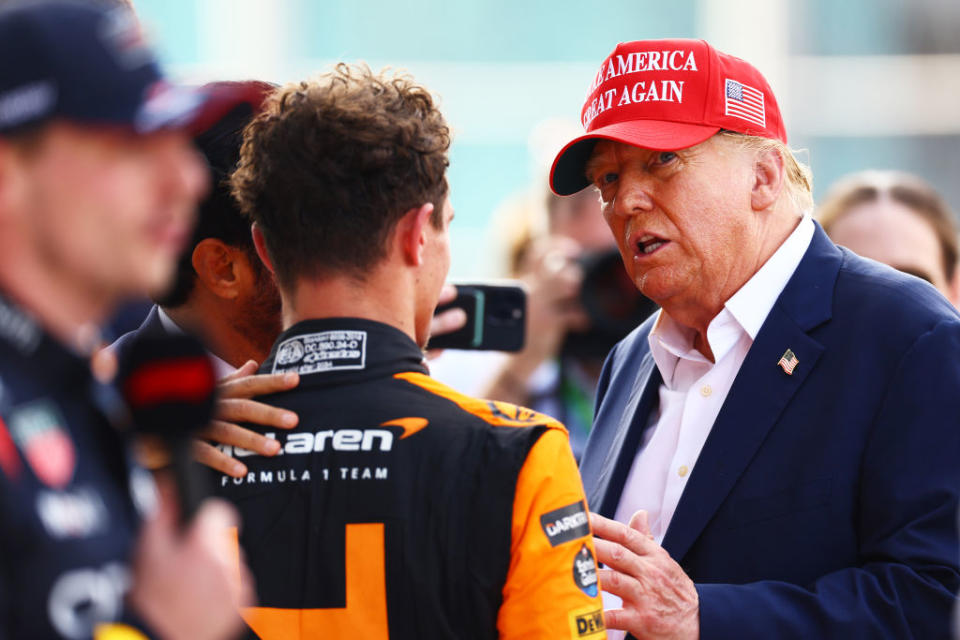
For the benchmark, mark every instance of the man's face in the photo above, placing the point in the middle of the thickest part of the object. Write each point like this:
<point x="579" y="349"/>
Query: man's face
<point x="434" y="273"/>
<point x="891" y="233"/>
<point x="110" y="210"/>
<point x="682" y="219"/>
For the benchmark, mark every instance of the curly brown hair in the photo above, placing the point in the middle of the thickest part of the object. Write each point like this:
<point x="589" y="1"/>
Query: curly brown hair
<point x="329" y="166"/>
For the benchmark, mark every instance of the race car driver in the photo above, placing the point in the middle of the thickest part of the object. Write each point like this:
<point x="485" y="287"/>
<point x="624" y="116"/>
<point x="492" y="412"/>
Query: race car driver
<point x="398" y="508"/>
<point x="98" y="184"/>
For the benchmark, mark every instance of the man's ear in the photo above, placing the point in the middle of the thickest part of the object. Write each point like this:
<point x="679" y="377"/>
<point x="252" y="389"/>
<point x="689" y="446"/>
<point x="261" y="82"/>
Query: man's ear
<point x="260" y="244"/>
<point x="217" y="267"/>
<point x="768" y="179"/>
<point x="412" y="233"/>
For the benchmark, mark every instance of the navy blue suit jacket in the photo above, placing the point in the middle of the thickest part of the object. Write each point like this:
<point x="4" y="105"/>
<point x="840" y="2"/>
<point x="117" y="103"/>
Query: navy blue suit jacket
<point x="151" y="326"/>
<point x="824" y="503"/>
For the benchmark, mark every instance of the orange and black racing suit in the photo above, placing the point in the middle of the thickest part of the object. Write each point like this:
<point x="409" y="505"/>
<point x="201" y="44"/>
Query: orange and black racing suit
<point x="400" y="508"/>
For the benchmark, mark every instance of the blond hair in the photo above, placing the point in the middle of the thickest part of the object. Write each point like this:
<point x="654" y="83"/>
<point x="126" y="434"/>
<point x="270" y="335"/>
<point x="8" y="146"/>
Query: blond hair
<point x="799" y="175"/>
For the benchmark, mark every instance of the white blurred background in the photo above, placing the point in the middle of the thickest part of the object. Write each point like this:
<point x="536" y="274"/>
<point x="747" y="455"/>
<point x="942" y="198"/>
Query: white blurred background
<point x="862" y="83"/>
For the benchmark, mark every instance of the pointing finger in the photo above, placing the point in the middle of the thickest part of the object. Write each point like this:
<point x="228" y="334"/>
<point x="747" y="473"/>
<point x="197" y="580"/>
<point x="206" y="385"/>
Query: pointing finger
<point x="248" y="369"/>
<point x="641" y="522"/>
<point x="253" y="412"/>
<point x="258" y="385"/>
<point x="231" y="434"/>
<point x="622" y="535"/>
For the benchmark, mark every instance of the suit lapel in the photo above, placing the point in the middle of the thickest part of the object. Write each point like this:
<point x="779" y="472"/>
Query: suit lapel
<point x="760" y="393"/>
<point x="152" y="325"/>
<point x="623" y="448"/>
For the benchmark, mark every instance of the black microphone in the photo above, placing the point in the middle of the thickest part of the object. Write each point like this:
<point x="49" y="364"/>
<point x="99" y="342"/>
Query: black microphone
<point x="170" y="384"/>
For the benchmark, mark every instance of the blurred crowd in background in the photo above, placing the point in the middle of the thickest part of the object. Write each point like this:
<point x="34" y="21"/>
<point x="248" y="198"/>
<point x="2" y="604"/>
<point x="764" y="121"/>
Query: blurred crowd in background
<point x="862" y="84"/>
<point x="866" y="89"/>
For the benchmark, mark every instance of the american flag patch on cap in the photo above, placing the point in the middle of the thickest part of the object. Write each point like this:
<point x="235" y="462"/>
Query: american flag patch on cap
<point x="744" y="102"/>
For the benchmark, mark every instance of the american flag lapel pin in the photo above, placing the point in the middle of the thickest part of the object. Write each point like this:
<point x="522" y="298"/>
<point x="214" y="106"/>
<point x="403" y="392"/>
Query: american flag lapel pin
<point x="788" y="362"/>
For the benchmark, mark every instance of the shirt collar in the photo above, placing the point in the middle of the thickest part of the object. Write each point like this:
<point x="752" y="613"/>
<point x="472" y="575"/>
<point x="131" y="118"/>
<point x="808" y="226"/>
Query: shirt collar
<point x="334" y="350"/>
<point x="744" y="312"/>
<point x="221" y="366"/>
<point x="752" y="303"/>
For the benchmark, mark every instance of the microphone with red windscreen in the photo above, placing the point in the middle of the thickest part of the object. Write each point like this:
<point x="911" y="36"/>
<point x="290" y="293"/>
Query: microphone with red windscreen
<point x="170" y="384"/>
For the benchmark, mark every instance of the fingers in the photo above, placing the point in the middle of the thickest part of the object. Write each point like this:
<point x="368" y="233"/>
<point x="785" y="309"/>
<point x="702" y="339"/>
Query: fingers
<point x="660" y="600"/>
<point x="209" y="456"/>
<point x="228" y="433"/>
<point x="625" y="619"/>
<point x="448" y="321"/>
<point x="206" y="531"/>
<point x="602" y="526"/>
<point x="234" y="435"/>
<point x="558" y="286"/>
<point x="164" y="517"/>
<point x="212" y="519"/>
<point x="253" y="412"/>
<point x="235" y="406"/>
<point x="622" y="535"/>
<point x="620" y="547"/>
<point x="624" y="557"/>
<point x="447" y="294"/>
<point x="184" y="583"/>
<point x="244" y="592"/>
<point x="618" y="557"/>
<point x="550" y="254"/>
<point x="258" y="385"/>
<point x="641" y="522"/>
<point x="631" y="590"/>
<point x="248" y="369"/>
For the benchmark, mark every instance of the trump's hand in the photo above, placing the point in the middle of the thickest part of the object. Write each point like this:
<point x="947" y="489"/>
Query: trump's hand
<point x="659" y="600"/>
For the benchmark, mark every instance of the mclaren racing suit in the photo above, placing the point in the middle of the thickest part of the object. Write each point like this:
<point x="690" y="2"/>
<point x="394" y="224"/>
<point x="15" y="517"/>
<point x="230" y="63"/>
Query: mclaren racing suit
<point x="70" y="496"/>
<point x="400" y="509"/>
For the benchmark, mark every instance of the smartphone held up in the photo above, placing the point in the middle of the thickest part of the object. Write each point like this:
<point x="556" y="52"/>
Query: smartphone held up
<point x="496" y="318"/>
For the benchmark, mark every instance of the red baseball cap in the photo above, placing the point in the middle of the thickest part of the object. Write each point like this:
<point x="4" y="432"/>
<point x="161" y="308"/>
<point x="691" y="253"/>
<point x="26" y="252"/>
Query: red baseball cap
<point x="667" y="95"/>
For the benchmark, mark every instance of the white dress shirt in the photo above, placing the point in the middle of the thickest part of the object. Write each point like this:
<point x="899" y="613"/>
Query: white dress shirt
<point x="694" y="389"/>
